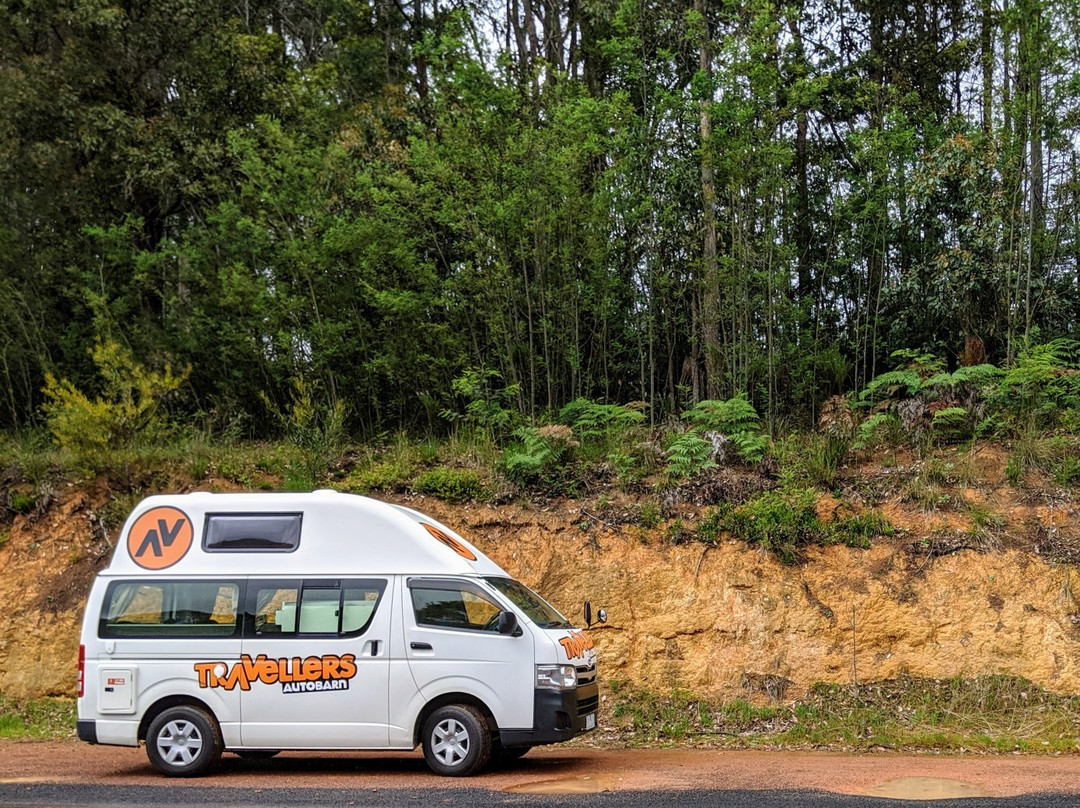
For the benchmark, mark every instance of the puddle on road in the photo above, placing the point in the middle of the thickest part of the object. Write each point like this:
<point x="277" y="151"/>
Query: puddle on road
<point x="925" y="788"/>
<point x="574" y="785"/>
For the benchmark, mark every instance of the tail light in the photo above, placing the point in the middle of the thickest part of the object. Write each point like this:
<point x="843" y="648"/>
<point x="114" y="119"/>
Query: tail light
<point x="82" y="670"/>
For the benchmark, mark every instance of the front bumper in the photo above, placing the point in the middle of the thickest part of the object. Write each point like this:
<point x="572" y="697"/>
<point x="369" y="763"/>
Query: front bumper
<point x="558" y="715"/>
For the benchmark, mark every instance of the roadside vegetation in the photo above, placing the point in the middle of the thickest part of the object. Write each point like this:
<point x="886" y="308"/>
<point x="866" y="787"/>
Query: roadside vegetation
<point x="49" y="719"/>
<point x="920" y="421"/>
<point x="989" y="714"/>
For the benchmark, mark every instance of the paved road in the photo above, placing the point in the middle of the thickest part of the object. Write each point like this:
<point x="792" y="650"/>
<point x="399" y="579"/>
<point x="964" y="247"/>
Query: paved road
<point x="64" y="774"/>
<point x="42" y="795"/>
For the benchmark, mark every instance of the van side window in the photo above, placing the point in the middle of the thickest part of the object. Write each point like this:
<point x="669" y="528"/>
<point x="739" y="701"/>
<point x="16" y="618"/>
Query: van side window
<point x="448" y="607"/>
<point x="275" y="608"/>
<point x="170" y="609"/>
<point x="299" y="608"/>
<point x="252" y="532"/>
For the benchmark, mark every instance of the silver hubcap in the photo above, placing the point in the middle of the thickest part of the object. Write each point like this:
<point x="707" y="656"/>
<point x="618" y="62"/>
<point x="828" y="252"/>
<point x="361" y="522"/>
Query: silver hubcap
<point x="179" y="742"/>
<point x="450" y="742"/>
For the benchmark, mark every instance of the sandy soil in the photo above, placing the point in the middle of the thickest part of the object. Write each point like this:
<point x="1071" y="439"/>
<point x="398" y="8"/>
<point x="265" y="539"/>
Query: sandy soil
<point x="572" y="770"/>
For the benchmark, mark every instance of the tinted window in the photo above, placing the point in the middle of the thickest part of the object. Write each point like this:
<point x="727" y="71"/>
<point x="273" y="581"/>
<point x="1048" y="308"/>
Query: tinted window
<point x="170" y="609"/>
<point x="294" y="608"/>
<point x="535" y="607"/>
<point x="260" y="532"/>
<point x="454" y="608"/>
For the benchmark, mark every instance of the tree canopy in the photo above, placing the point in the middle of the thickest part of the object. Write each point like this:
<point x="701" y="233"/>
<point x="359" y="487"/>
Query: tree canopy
<point x="391" y="202"/>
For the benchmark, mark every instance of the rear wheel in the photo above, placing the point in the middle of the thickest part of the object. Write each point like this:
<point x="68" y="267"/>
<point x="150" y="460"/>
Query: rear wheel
<point x="456" y="741"/>
<point x="183" y="742"/>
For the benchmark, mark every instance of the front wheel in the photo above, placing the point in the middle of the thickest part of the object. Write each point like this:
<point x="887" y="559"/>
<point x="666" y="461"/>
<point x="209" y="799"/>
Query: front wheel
<point x="183" y="742"/>
<point x="456" y="740"/>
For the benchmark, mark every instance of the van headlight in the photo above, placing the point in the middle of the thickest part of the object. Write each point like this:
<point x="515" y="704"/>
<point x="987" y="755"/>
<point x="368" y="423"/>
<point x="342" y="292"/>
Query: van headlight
<point x="556" y="677"/>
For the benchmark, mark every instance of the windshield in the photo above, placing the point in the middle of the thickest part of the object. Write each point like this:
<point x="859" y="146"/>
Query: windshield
<point x="535" y="607"/>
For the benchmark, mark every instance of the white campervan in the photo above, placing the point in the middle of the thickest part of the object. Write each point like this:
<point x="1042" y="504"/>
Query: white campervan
<point x="260" y="622"/>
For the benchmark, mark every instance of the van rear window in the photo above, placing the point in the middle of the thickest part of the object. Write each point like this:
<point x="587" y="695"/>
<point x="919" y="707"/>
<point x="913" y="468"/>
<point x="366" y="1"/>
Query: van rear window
<point x="170" y="609"/>
<point x="252" y="532"/>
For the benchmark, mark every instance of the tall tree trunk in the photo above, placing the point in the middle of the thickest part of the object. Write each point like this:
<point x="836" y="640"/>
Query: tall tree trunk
<point x="986" y="45"/>
<point x="710" y="272"/>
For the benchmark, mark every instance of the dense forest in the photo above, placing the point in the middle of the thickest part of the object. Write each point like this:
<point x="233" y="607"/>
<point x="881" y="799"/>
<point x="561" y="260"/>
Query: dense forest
<point x="398" y="207"/>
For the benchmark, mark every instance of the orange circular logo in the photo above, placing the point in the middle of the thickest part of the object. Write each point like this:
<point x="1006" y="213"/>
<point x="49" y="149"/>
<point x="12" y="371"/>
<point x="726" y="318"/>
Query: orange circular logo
<point x="450" y="542"/>
<point x="159" y="538"/>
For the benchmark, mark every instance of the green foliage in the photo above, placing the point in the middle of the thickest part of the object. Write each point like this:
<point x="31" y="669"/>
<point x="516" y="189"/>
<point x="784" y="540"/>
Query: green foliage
<point x="127" y="409"/>
<point x="1066" y="472"/>
<point x="315" y="427"/>
<point x="590" y="420"/>
<point x="735" y="419"/>
<point x="1041" y="386"/>
<point x="452" y="485"/>
<point x="37" y="719"/>
<point x="712" y="524"/>
<point x="823" y="456"/>
<point x="785" y="521"/>
<point x="780" y="522"/>
<point x="539" y="455"/>
<point x="489" y="402"/>
<point x="688" y="455"/>
<point x="649" y="513"/>
<point x="21" y="502"/>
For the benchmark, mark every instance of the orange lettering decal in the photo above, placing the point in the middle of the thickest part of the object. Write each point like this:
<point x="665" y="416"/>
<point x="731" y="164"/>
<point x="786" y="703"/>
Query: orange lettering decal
<point x="450" y="542"/>
<point x="321" y="672"/>
<point x="159" y="538"/>
<point x="576" y="644"/>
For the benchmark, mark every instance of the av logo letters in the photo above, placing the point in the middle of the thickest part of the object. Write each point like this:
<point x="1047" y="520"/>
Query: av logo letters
<point x="159" y="538"/>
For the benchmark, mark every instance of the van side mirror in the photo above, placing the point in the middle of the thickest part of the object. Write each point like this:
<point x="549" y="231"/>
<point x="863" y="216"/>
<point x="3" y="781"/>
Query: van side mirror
<point x="508" y="623"/>
<point x="601" y="615"/>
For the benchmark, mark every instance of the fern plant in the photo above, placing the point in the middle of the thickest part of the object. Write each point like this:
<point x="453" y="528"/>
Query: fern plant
<point x="538" y="453"/>
<point x="927" y="400"/>
<point x="688" y="454"/>
<point x="735" y="421"/>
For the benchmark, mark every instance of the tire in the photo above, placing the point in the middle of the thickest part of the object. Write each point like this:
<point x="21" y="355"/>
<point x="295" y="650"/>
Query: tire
<point x="456" y="741"/>
<point x="183" y="742"/>
<point x="256" y="754"/>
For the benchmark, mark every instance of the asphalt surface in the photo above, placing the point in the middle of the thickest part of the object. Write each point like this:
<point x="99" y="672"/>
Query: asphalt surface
<point x="42" y="795"/>
<point x="68" y="773"/>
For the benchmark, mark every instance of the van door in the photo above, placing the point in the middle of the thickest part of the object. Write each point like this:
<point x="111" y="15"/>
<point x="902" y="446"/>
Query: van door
<point x="453" y="644"/>
<point x="316" y="664"/>
<point x="154" y="636"/>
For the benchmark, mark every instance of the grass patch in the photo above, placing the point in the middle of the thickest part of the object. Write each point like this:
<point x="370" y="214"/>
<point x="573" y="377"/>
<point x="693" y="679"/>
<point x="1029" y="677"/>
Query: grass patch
<point x="48" y="719"/>
<point x="1001" y="714"/>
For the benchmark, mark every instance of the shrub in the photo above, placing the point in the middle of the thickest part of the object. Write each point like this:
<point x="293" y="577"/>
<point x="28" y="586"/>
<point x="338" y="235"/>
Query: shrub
<point x="784" y="521"/>
<point x="128" y="406"/>
<point x="451" y="485"/>
<point x="488" y="404"/>
<point x="649" y="513"/>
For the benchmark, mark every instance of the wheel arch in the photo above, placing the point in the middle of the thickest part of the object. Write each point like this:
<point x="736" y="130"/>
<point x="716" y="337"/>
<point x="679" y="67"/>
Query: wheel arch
<point x="453" y="698"/>
<point x="159" y="706"/>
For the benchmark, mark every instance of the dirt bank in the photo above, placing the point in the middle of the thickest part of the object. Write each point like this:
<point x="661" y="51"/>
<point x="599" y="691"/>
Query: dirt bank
<point x="723" y="621"/>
